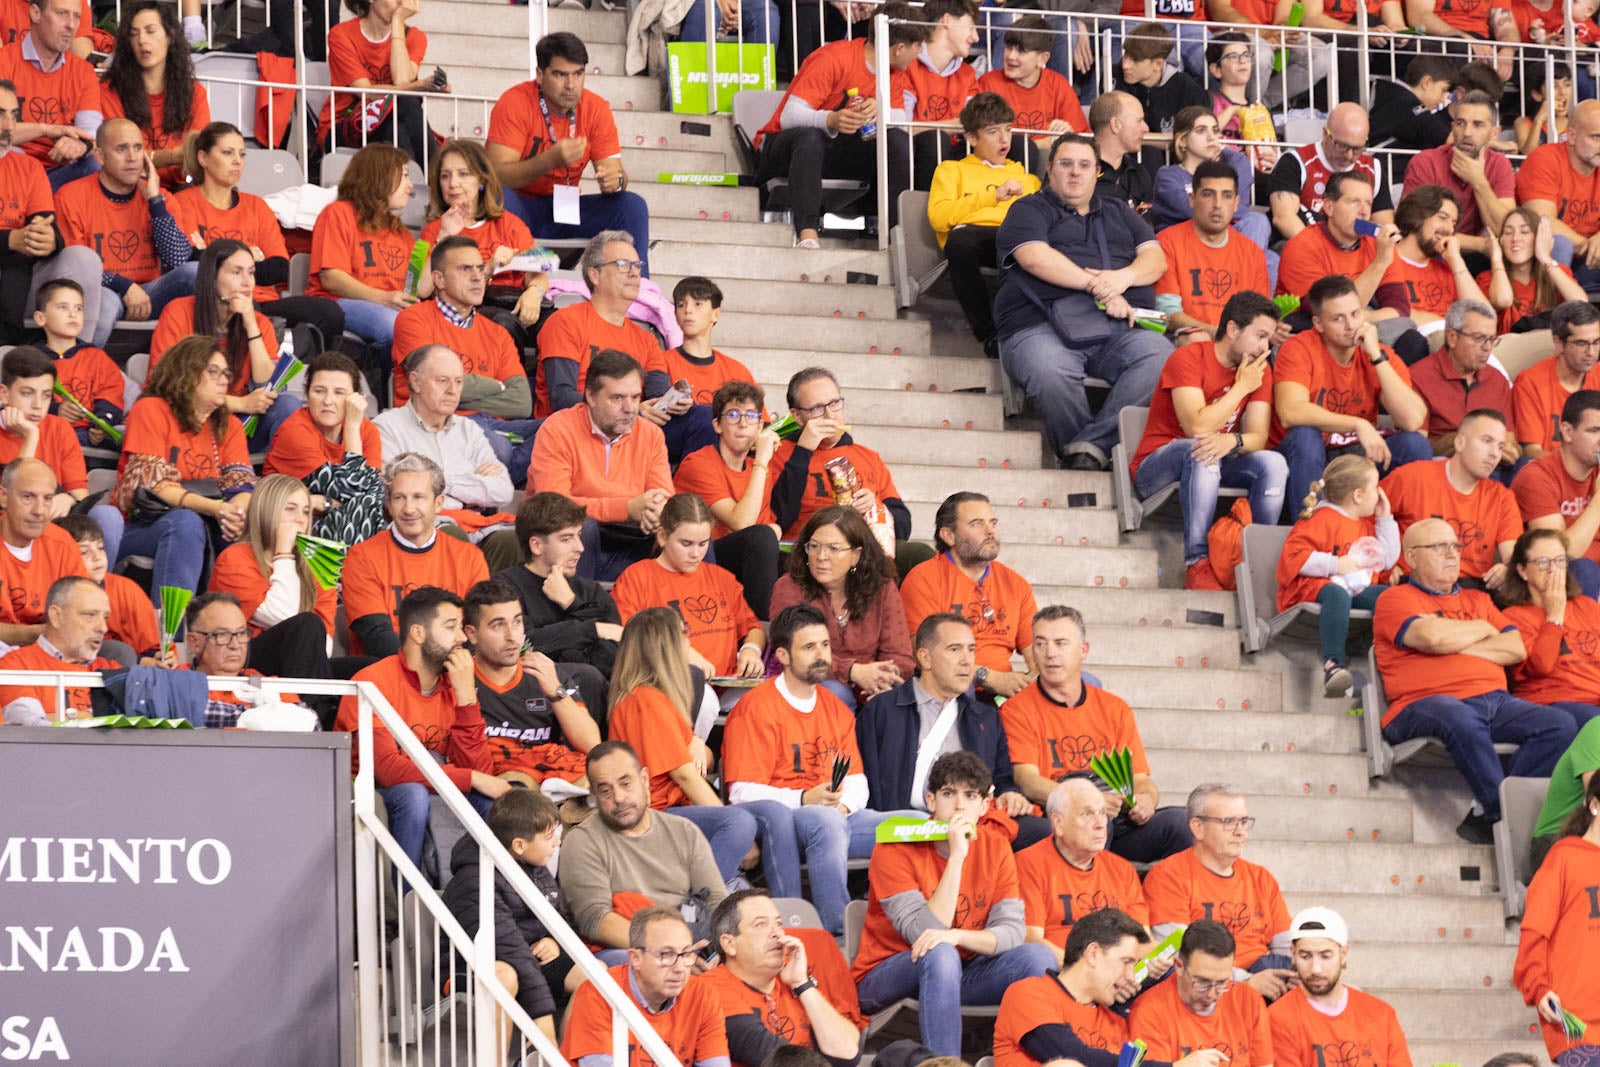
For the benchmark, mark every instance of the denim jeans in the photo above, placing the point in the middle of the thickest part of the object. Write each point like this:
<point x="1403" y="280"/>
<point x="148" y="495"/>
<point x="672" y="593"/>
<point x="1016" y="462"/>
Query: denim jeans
<point x="597" y="211"/>
<point x="81" y="167"/>
<point x="942" y="983"/>
<point x="780" y="855"/>
<point x="1587" y="573"/>
<point x="1333" y="624"/>
<point x="111" y="527"/>
<point x="729" y="831"/>
<point x="514" y="458"/>
<point x="689" y="432"/>
<point x="408" y="805"/>
<point x="827" y="839"/>
<point x="1308" y="454"/>
<point x="179" y="281"/>
<point x="1262" y="473"/>
<point x="1580" y="712"/>
<point x="1470" y="728"/>
<point x="1051" y="373"/>
<point x="758" y="22"/>
<point x="373" y="323"/>
<point x="268" y="422"/>
<point x="178" y="542"/>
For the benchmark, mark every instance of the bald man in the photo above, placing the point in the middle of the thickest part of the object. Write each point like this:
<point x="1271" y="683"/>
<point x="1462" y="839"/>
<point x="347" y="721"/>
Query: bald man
<point x="1116" y="121"/>
<point x="1560" y="180"/>
<point x="121" y="215"/>
<point x="1298" y="181"/>
<point x="1442" y="653"/>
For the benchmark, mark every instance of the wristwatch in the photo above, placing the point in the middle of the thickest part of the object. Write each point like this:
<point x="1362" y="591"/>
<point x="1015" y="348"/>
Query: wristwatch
<point x="566" y="692"/>
<point x="800" y="990"/>
<point x="1382" y="357"/>
<point x="980" y="677"/>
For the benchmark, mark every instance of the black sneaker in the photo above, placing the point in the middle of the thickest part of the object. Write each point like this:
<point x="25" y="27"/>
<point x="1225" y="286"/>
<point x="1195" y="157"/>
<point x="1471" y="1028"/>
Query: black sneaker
<point x="1476" y="829"/>
<point x="1083" y="461"/>
<point x="1336" y="679"/>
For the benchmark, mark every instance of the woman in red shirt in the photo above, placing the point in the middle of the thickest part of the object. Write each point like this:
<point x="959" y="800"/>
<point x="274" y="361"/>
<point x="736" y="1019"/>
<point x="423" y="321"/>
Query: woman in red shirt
<point x="378" y="50"/>
<point x="1524" y="282"/>
<point x="838" y="567"/>
<point x="151" y="81"/>
<point x="1559" y="627"/>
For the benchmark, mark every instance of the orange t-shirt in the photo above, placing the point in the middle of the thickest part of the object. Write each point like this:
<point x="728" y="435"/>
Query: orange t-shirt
<point x="298" y="448"/>
<point x="1043" y="1001"/>
<point x="1060" y="738"/>
<point x="779" y="1011"/>
<point x="1052" y="97"/>
<point x="1409" y="675"/>
<point x="1544" y="487"/>
<point x="119" y="233"/>
<point x="505" y="230"/>
<point x="33" y="658"/>
<point x="649" y="721"/>
<point x="1561" y="937"/>
<point x="1469" y="16"/>
<point x="454" y="731"/>
<point x="379" y="572"/>
<point x="485" y="348"/>
<point x="1180" y="889"/>
<point x="691" y="1027"/>
<point x="177" y="322"/>
<point x="157" y="137"/>
<point x="1000" y="607"/>
<point x="1237" y="1027"/>
<point x="576" y="333"/>
<point x="24" y="189"/>
<point x="1430" y="286"/>
<point x="90" y="375"/>
<point x="1365" y="1034"/>
<point x="1482" y="519"/>
<point x="1311" y="255"/>
<point x="988" y="877"/>
<point x="249" y="220"/>
<point x="1524" y="299"/>
<point x="1327" y="530"/>
<point x="1537" y="397"/>
<point x="236" y="572"/>
<point x="1563" y="661"/>
<point x="709" y="599"/>
<point x="1547" y="174"/>
<point x="1193" y="366"/>
<point x="704" y="474"/>
<point x="940" y="97"/>
<point x="53" y="554"/>
<point x="58" y="447"/>
<point x="518" y="123"/>
<point x="767" y="742"/>
<point x="352" y="56"/>
<point x="133" y="616"/>
<point x="819" y="492"/>
<point x="1351" y="389"/>
<point x="1206" y="278"/>
<point x="53" y="99"/>
<point x="705" y="377"/>
<point x="377" y="259"/>
<point x="14" y="21"/>
<point x="1055" y="894"/>
<point x="152" y="430"/>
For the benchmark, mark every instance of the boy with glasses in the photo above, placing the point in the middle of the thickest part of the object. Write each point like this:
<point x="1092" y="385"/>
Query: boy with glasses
<point x="1203" y="1007"/>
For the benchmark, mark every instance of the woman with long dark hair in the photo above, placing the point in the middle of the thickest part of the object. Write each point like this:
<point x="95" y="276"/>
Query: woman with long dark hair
<point x="150" y="81"/>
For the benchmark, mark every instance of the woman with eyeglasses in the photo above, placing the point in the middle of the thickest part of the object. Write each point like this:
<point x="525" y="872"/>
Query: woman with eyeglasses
<point x="838" y="567"/>
<point x="1524" y="282"/>
<point x="1556" y="622"/>
<point x="184" y="479"/>
<point x="1195" y="140"/>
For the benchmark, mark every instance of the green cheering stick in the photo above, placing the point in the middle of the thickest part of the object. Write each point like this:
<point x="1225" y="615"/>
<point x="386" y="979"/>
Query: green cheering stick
<point x="96" y="421"/>
<point x="174" y="602"/>
<point x="324" y="557"/>
<point x="1573" y="1027"/>
<point x="285" y="373"/>
<point x="787" y="428"/>
<point x="1114" y="767"/>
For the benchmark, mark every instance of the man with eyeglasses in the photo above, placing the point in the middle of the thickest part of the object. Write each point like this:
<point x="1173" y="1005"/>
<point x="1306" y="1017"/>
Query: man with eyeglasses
<point x="1557" y="490"/>
<point x="1427" y="262"/>
<point x="1463" y="375"/>
<point x="1203" y="1006"/>
<point x="1482" y="180"/>
<point x="1299" y="180"/>
<point x="1212" y="880"/>
<point x="1562" y="181"/>
<point x="218" y="639"/>
<point x="681" y="1008"/>
<point x="1442" y="653"/>
<point x="1541" y="390"/>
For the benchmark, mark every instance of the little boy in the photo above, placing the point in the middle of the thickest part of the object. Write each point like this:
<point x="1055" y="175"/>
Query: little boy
<point x="1041" y="98"/>
<point x="83" y="370"/>
<point x="133" y="616"/>
<point x="527" y="958"/>
<point x="697" y="305"/>
<point x="968" y="201"/>
<point x="1412" y="114"/>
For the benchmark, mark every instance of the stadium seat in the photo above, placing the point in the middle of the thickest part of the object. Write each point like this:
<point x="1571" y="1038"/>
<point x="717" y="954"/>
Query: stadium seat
<point x="299" y="273"/>
<point x="230" y="102"/>
<point x="1520" y="801"/>
<point x="1257" y="589"/>
<point x="267" y="170"/>
<point x="1382" y="756"/>
<point x="918" y="261"/>
<point x="1130" y="428"/>
<point x="751" y="110"/>
<point x="138" y="368"/>
<point x="797" y="911"/>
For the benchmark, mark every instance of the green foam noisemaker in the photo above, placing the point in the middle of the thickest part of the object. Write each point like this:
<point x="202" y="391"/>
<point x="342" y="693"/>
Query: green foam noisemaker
<point x="911" y="829"/>
<point x="1114" y="767"/>
<point x="1287" y="303"/>
<point x="324" y="557"/>
<point x="94" y="420"/>
<point x="174" y="602"/>
<point x="1164" y="950"/>
<point x="141" y="722"/>
<point x="787" y="428"/>
<point x="285" y="373"/>
<point x="1297" y="14"/>
<point x="1572" y="1026"/>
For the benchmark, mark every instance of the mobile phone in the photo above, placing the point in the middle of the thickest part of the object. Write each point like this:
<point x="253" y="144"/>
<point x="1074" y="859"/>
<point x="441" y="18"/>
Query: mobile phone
<point x="1367" y="228"/>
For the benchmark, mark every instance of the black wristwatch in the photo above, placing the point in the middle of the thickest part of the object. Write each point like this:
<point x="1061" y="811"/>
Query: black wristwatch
<point x="804" y="987"/>
<point x="1382" y="357"/>
<point x="980" y="677"/>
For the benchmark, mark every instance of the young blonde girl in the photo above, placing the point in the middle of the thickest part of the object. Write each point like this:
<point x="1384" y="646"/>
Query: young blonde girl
<point x="1339" y="555"/>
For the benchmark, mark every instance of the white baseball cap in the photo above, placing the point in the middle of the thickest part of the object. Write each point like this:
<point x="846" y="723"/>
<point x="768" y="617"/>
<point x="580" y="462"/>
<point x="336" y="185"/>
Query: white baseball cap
<point x="1320" y="922"/>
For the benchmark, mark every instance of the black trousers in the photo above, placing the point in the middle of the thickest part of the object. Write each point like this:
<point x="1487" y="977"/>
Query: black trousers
<point x="968" y="249"/>
<point x="752" y="555"/>
<point x="1166" y="832"/>
<point x="324" y="314"/>
<point x="807" y="155"/>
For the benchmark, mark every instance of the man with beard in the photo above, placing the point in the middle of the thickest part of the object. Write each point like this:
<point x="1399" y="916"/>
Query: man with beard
<point x="430" y="684"/>
<point x="1202" y="1007"/>
<point x="1208" y="424"/>
<point x="77" y="613"/>
<point x="1483" y="182"/>
<point x="1542" y="389"/>
<point x="629" y="849"/>
<point x="967" y="579"/>
<point x="1312" y="1021"/>
<point x="1193" y="298"/>
<point x="788" y="740"/>
<point x="1461" y="376"/>
<point x="1427" y="261"/>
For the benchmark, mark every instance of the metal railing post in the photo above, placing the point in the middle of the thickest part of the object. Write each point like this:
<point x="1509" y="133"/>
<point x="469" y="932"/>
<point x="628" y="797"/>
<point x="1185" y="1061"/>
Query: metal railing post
<point x="370" y="1025"/>
<point x="485" y="1023"/>
<point x="880" y="63"/>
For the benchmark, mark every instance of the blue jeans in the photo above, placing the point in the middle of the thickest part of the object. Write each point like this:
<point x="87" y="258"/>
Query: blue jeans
<point x="178" y="542"/>
<point x="1587" y="572"/>
<point x="729" y="831"/>
<point x="605" y="558"/>
<point x="515" y="458"/>
<point x="373" y="323"/>
<point x="846" y="695"/>
<point x="689" y="432"/>
<point x="179" y="281"/>
<point x="758" y="22"/>
<point x="827" y="839"/>
<point x="774" y="832"/>
<point x="408" y="806"/>
<point x="1308" y="454"/>
<point x="111" y="525"/>
<point x="268" y="422"/>
<point x="598" y="211"/>
<point x="942" y="983"/>
<point x="1271" y="962"/>
<point x="1333" y="624"/>
<point x="1052" y="374"/>
<point x="1470" y="728"/>
<point x="1581" y="713"/>
<point x="1262" y="473"/>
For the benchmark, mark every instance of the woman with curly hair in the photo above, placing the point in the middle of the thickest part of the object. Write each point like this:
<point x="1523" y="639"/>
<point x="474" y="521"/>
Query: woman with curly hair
<point x="151" y="82"/>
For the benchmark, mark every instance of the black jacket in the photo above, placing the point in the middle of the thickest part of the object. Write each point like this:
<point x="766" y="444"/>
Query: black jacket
<point x="886" y="733"/>
<point x="566" y="635"/>
<point x="516" y="927"/>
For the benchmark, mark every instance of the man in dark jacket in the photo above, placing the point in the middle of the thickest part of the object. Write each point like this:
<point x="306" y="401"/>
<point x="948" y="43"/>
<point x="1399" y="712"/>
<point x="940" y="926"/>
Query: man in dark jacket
<point x="901" y="732"/>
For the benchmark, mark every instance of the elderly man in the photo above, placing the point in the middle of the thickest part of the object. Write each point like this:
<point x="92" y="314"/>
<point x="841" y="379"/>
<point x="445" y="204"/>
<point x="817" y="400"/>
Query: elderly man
<point x="1556" y="491"/>
<point x="1116" y="122"/>
<point x="1561" y="180"/>
<point x="1213" y="881"/>
<point x="1442" y="652"/>
<point x="495" y="392"/>
<point x="1461" y="376"/>
<point x="1541" y="390"/>
<point x="218" y="639"/>
<point x="1203" y="1007"/>
<point x="1076" y="268"/>
<point x="58" y="85"/>
<point x="1300" y="178"/>
<point x="1483" y="182"/>
<point x="37" y="552"/>
<point x="1325" y="1012"/>
<point x="77" y="614"/>
<point x="428" y="425"/>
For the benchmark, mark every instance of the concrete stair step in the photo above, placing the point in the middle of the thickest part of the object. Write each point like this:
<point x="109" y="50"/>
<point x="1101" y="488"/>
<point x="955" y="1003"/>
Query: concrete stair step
<point x="1019" y="488"/>
<point x="1325" y="818"/>
<point x="667" y="228"/>
<point x="1484" y="1015"/>
<point x="1417" y="917"/>
<point x="1162" y="687"/>
<point x="1157" y="608"/>
<point x="1133" y="646"/>
<point x="684" y="133"/>
<point x="720" y="203"/>
<point x="1379" y="868"/>
<point x="1459" y="967"/>
<point x="1078" y="565"/>
<point x="899" y="408"/>
<point x="498" y="68"/>
<point x="1239" y="731"/>
<point x="902" y="444"/>
<point x="606" y="27"/>
<point x="856" y="336"/>
<point x="791" y="265"/>
<point x="928" y="374"/>
<point x="1294" y="774"/>
<point x="800" y="298"/>
<point x="1090" y="526"/>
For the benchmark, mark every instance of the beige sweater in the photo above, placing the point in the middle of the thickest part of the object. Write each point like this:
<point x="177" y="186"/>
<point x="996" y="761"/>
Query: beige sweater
<point x="668" y="864"/>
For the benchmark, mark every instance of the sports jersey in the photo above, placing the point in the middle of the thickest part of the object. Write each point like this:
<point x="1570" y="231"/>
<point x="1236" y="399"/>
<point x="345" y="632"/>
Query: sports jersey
<point x="1430" y="286"/>
<point x="54" y="99"/>
<point x="576" y="333"/>
<point x="1043" y="1003"/>
<point x="1204" y="277"/>
<point x="1000" y="606"/>
<point x="690" y="1024"/>
<point x="53" y="554"/>
<point x="1365" y="1034"/>
<point x="58" y="448"/>
<point x="1344" y="389"/>
<point x="298" y="448"/>
<point x="33" y="658"/>
<point x="1547" y="174"/>
<point x="153" y="430"/>
<point x="1055" y="894"/>
<point x="1482" y="520"/>
<point x="1327" y="529"/>
<point x="338" y="242"/>
<point x="1313" y="254"/>
<point x="1181" y="889"/>
<point x="133" y="616"/>
<point x="709" y="599"/>
<point x="1524" y="299"/>
<point x="1561" y="936"/>
<point x="157" y="137"/>
<point x="485" y="348"/>
<point x="89" y="375"/>
<point x="704" y="474"/>
<point x="767" y="742"/>
<point x="1537" y="396"/>
<point x="119" y="234"/>
<point x="518" y="123"/>
<point x="649" y="721"/>
<point x="177" y="322"/>
<point x="1059" y="738"/>
<point x="1563" y="661"/>
<point x="779" y="1011"/>
<point x="249" y="221"/>
<point x="237" y="572"/>
<point x="1167" y="9"/>
<point x="1194" y="366"/>
<point x="818" y="492"/>
<point x="523" y="731"/>
<point x="571" y="458"/>
<point x="1305" y="171"/>
<point x="24" y="189"/>
<point x="505" y="230"/>
<point x="705" y="376"/>
<point x="1409" y="675"/>
<point x="15" y="23"/>
<point x="1544" y="487"/>
<point x="352" y="57"/>
<point x="379" y="572"/>
<point x="1237" y="1027"/>
<point x="940" y="95"/>
<point x="444" y="727"/>
<point x="1052" y="97"/>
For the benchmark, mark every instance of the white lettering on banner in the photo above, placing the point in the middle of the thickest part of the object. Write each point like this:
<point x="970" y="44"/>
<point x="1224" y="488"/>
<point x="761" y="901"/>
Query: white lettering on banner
<point x="73" y="859"/>
<point x="121" y="949"/>
<point x="19" y="1046"/>
<point x="750" y="78"/>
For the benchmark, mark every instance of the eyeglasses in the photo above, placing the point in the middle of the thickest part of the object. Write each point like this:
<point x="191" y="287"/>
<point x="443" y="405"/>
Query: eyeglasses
<point x="1545" y="563"/>
<point x="819" y="548"/>
<point x="1210" y="985"/>
<point x="225" y="638"/>
<point x="827" y="407"/>
<point x="1584" y="346"/>
<point x="1481" y="340"/>
<point x="733" y="418"/>
<point x="668" y="958"/>
<point x="1449" y="548"/>
<point x="218" y="374"/>
<point x="1232" y="822"/>
<point x="1348" y="149"/>
<point x="626" y="266"/>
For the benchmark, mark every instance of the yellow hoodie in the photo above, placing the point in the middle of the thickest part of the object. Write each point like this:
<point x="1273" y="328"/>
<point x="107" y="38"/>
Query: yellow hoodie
<point x="962" y="193"/>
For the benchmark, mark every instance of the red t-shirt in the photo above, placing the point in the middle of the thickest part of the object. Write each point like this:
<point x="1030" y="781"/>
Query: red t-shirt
<point x="1237" y="1027"/>
<point x="177" y="322"/>
<point x="940" y="97"/>
<point x="1206" y="278"/>
<point x="378" y="259"/>
<point x="1469" y="16"/>
<point x="55" y="98"/>
<point x="1059" y="738"/>
<point x="24" y="190"/>
<point x="505" y="230"/>
<point x="704" y="474"/>
<point x="353" y="57"/>
<point x="1430" y="286"/>
<point x="1044" y="1001"/>
<point x="90" y="375"/>
<point x="1193" y="366"/>
<point x="237" y="572"/>
<point x="1180" y="889"/>
<point x="1311" y="255"/>
<point x="819" y="493"/>
<point x="1560" y="937"/>
<point x="249" y="220"/>
<point x="53" y="554"/>
<point x="1524" y="299"/>
<point x="1327" y="529"/>
<point x="1055" y="894"/>
<point x="649" y="721"/>
<point x="298" y="448"/>
<point x="709" y="599"/>
<point x="133" y="616"/>
<point x="1365" y="1034"/>
<point x="576" y="333"/>
<point x="1482" y="519"/>
<point x="1538" y="397"/>
<point x="827" y="74"/>
<point x="152" y="430"/>
<point x="486" y="349"/>
<point x="1563" y="661"/>
<point x="518" y="123"/>
<point x="119" y="233"/>
<point x="1409" y="675"/>
<point x="444" y="727"/>
<point x="1052" y="97"/>
<point x="1345" y="389"/>
<point x="33" y="658"/>
<point x="705" y="377"/>
<point x="157" y="137"/>
<point x="58" y="447"/>
<point x="1544" y="487"/>
<point x="1547" y="174"/>
<point x="767" y="742"/>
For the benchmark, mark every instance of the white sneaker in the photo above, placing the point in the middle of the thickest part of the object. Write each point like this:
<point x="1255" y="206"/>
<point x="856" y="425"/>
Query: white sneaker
<point x="809" y="242"/>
